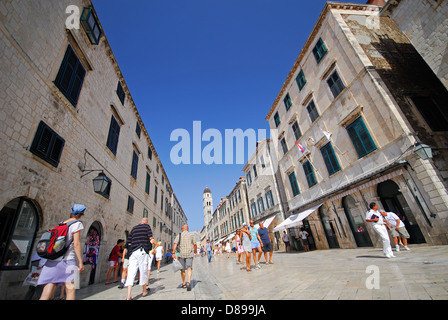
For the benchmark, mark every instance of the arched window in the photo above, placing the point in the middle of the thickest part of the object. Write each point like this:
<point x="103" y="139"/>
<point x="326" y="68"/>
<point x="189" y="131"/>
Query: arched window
<point x="18" y="226"/>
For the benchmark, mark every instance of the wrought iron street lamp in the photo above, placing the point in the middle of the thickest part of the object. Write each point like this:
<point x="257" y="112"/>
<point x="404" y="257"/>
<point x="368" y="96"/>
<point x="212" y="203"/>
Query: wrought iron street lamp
<point x="423" y="151"/>
<point x="101" y="185"/>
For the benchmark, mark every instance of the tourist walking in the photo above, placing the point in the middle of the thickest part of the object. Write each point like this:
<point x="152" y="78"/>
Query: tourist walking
<point x="303" y="235"/>
<point x="397" y="228"/>
<point x="228" y="249"/>
<point x="379" y="224"/>
<point x="63" y="270"/>
<point x="151" y="256"/>
<point x="140" y="239"/>
<point x="285" y="239"/>
<point x="159" y="255"/>
<point x="267" y="243"/>
<point x="124" y="270"/>
<point x="187" y="245"/>
<point x="208" y="246"/>
<point x="114" y="257"/>
<point x="255" y="243"/>
<point x="245" y="236"/>
<point x="239" y="246"/>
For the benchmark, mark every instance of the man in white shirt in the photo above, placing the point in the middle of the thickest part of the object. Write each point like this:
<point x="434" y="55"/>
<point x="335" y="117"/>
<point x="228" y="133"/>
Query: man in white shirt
<point x="379" y="224"/>
<point x="397" y="228"/>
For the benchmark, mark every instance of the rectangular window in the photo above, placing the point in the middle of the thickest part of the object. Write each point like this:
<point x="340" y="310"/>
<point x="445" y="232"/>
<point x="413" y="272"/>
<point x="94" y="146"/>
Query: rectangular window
<point x="145" y="213"/>
<point x="287" y="101"/>
<point x="260" y="205"/>
<point x="148" y="183"/>
<point x="301" y="80"/>
<point x="255" y="170"/>
<point x="138" y="130"/>
<point x="161" y="201"/>
<point x="284" y="146"/>
<point x="90" y="25"/>
<point x="270" y="198"/>
<point x="276" y="119"/>
<point x="294" y="184"/>
<point x="309" y="173"/>
<point x="253" y="207"/>
<point x="120" y="93"/>
<point x="70" y="76"/>
<point x="312" y="111"/>
<point x="361" y="139"/>
<point x="331" y="162"/>
<point x="155" y="194"/>
<point x="335" y="84"/>
<point x="249" y="178"/>
<point x="296" y="130"/>
<point x="130" y="207"/>
<point x="149" y="153"/>
<point x="47" y="144"/>
<point x="320" y="50"/>
<point x="114" y="133"/>
<point x="134" y="167"/>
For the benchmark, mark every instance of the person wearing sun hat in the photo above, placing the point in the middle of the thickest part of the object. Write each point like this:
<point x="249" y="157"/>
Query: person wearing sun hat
<point x="63" y="270"/>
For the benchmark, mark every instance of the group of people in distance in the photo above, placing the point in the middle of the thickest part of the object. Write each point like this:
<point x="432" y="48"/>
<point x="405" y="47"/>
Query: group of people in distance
<point x="249" y="241"/>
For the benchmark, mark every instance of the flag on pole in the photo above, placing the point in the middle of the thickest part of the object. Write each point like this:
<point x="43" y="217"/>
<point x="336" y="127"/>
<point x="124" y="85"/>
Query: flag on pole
<point x="301" y="148"/>
<point x="326" y="134"/>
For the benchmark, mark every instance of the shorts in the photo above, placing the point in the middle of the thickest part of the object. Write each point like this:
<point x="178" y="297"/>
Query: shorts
<point x="267" y="247"/>
<point x="125" y="263"/>
<point x="113" y="263"/>
<point x="255" y="244"/>
<point x="404" y="233"/>
<point x="287" y="243"/>
<point x="187" y="263"/>
<point x="150" y="258"/>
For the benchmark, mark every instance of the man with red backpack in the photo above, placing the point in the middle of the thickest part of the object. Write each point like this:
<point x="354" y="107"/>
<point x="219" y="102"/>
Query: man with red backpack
<point x="63" y="270"/>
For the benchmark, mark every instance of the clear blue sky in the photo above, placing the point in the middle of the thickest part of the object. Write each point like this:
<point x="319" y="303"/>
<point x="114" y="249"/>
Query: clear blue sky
<point x="221" y="62"/>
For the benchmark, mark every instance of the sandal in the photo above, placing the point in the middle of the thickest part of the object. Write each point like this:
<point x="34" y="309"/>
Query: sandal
<point x="188" y="286"/>
<point x="184" y="285"/>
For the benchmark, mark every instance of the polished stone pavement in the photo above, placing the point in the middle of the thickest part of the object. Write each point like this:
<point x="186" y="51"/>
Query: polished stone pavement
<point x="336" y="274"/>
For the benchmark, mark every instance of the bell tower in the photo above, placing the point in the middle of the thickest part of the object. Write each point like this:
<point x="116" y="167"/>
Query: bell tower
<point x="207" y="204"/>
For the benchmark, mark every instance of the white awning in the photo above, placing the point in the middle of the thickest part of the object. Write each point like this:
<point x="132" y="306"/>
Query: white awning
<point x="268" y="221"/>
<point x="296" y="219"/>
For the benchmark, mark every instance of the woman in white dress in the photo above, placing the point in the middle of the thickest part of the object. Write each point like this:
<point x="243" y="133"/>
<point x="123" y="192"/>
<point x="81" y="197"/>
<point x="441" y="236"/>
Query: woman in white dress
<point x="228" y="249"/>
<point x="159" y="255"/>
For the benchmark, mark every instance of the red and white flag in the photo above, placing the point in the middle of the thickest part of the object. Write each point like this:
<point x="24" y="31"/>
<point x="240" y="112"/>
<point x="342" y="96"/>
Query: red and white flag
<point x="301" y="148"/>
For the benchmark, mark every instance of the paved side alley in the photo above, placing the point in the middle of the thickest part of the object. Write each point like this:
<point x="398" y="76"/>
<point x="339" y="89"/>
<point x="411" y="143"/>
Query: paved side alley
<point x="339" y="274"/>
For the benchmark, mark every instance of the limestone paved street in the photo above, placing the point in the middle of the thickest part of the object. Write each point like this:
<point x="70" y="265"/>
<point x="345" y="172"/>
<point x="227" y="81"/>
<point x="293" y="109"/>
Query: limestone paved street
<point x="338" y="274"/>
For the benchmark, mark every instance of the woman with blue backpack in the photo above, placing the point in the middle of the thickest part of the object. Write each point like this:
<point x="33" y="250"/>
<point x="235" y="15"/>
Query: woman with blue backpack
<point x="62" y="269"/>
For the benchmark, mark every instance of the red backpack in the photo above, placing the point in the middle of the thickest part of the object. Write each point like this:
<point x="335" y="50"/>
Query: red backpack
<point x="54" y="243"/>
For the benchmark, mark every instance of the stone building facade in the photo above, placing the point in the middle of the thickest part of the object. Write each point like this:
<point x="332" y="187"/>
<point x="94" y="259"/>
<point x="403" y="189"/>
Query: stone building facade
<point x="66" y="110"/>
<point x="425" y="24"/>
<point x="346" y="139"/>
